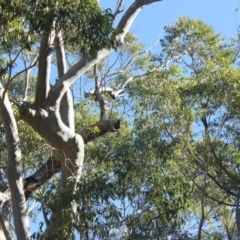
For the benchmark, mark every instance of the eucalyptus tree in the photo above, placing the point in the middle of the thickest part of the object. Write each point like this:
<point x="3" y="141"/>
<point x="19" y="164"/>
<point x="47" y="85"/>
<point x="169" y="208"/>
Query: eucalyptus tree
<point x="178" y="143"/>
<point x="41" y="28"/>
<point x="193" y="103"/>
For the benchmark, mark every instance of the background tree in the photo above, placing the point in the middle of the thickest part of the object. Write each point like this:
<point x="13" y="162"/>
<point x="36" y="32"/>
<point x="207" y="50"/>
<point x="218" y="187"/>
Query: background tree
<point x="194" y="103"/>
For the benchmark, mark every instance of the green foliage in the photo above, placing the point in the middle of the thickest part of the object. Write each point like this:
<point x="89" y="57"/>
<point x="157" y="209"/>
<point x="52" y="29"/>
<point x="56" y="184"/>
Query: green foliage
<point x="178" y="147"/>
<point x="124" y="188"/>
<point x="193" y="103"/>
<point x="84" y="23"/>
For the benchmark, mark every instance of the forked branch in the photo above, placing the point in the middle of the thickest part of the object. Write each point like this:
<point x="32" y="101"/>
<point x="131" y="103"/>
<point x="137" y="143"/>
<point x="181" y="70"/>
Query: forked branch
<point x="87" y="62"/>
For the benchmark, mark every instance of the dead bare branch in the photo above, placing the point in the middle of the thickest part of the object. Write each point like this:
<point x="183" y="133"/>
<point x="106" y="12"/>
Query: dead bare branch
<point x="118" y="9"/>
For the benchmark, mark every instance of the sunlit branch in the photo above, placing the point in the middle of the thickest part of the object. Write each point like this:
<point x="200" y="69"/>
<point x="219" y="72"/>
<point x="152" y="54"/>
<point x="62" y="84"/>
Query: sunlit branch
<point x="27" y="73"/>
<point x="44" y="65"/>
<point x="12" y="61"/>
<point x="66" y="106"/>
<point x="89" y="61"/>
<point x="14" y="169"/>
<point x="201" y="165"/>
<point x="219" y="162"/>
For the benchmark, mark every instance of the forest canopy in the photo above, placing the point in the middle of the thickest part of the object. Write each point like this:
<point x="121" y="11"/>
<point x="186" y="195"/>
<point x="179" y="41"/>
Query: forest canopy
<point x="102" y="138"/>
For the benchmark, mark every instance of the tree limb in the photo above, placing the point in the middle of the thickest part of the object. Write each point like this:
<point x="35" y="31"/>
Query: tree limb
<point x="53" y="166"/>
<point x="27" y="70"/>
<point x="44" y="65"/>
<point x="5" y="211"/>
<point x="117" y="10"/>
<point x="89" y="61"/>
<point x="119" y="92"/>
<point x="219" y="163"/>
<point x="14" y="169"/>
<point x="237" y="216"/>
<point x="41" y="176"/>
<point x="197" y="161"/>
<point x="66" y="105"/>
<point x="220" y="202"/>
<point x="105" y="124"/>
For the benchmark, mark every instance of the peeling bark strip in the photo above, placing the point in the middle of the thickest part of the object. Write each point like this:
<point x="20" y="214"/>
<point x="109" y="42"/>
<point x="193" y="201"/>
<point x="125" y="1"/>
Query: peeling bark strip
<point x="14" y="169"/>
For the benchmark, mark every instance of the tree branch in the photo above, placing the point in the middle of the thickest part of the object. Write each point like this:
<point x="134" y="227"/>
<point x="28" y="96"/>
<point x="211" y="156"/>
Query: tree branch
<point x="41" y="176"/>
<point x="220" y="202"/>
<point x="66" y="105"/>
<point x="5" y="211"/>
<point x="130" y="15"/>
<point x="231" y="193"/>
<point x="14" y="169"/>
<point x="27" y="70"/>
<point x="53" y="166"/>
<point x="219" y="163"/>
<point x="44" y="65"/>
<point x="12" y="61"/>
<point x="237" y="216"/>
<point x="89" y="61"/>
<point x="117" y="10"/>
<point x="222" y="186"/>
<point x="119" y="92"/>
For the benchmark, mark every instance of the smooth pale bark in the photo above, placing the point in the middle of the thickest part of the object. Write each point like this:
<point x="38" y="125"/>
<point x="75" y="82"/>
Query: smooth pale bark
<point x="47" y="117"/>
<point x="49" y="124"/>
<point x="5" y="211"/>
<point x="67" y="117"/>
<point x="67" y="147"/>
<point x="86" y="63"/>
<point x="44" y="66"/>
<point x="5" y="208"/>
<point x="27" y="74"/>
<point x="66" y="106"/>
<point x="14" y="169"/>
<point x="2" y="235"/>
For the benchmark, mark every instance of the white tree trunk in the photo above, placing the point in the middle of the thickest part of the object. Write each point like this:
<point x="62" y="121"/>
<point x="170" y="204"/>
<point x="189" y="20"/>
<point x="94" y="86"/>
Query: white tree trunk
<point x="50" y="116"/>
<point x="14" y="169"/>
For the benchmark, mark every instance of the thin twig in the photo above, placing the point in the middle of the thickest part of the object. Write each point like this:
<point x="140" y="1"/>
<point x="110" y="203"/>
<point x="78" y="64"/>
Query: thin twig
<point x="117" y="10"/>
<point x="11" y="79"/>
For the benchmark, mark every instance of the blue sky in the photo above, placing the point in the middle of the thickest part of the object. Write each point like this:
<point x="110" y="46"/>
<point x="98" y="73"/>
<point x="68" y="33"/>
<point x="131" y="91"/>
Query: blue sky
<point x="220" y="14"/>
<point x="149" y="24"/>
